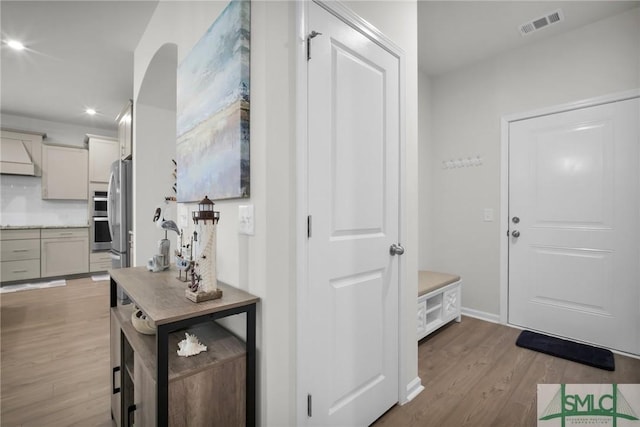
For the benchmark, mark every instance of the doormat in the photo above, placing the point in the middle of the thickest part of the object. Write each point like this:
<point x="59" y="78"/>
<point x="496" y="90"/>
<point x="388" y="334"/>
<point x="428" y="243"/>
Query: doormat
<point x="29" y="286"/>
<point x="576" y="352"/>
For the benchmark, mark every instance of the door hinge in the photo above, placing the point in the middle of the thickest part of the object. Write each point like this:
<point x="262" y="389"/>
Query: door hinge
<point x="308" y="226"/>
<point x="309" y="404"/>
<point x="311" y="35"/>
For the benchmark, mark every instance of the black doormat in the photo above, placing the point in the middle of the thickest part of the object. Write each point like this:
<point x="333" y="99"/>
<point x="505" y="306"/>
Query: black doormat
<point x="576" y="352"/>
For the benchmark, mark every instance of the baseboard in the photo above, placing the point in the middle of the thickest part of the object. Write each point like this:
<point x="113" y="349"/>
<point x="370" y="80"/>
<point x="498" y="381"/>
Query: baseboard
<point x="482" y="315"/>
<point x="413" y="389"/>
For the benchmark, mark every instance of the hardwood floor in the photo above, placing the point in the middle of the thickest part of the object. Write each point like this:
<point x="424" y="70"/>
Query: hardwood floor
<point x="55" y="367"/>
<point x="474" y="375"/>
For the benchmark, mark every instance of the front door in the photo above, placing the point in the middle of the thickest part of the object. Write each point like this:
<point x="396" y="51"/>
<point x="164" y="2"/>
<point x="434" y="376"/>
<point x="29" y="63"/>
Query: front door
<point x="353" y="176"/>
<point x="574" y="214"/>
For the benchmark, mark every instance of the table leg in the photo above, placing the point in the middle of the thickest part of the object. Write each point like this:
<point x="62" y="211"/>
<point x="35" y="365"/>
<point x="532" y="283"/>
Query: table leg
<point x="251" y="365"/>
<point x="162" y="396"/>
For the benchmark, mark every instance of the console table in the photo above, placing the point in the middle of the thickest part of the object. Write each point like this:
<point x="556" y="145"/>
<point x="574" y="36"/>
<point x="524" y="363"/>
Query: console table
<point x="161" y="296"/>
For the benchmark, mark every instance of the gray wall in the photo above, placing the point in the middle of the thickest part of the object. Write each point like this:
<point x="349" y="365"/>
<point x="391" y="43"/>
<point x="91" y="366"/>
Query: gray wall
<point x="466" y="107"/>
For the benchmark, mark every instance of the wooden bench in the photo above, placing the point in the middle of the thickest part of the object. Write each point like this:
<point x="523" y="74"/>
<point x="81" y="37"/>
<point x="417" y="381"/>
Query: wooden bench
<point x="439" y="298"/>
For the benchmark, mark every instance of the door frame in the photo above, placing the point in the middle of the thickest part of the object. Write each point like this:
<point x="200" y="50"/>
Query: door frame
<point x="406" y="392"/>
<point x="505" y="120"/>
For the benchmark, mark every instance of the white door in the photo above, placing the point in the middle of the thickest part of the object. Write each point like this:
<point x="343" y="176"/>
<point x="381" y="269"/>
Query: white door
<point x="574" y="185"/>
<point x="353" y="175"/>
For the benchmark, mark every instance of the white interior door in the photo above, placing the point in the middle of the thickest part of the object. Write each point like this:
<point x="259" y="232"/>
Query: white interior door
<point x="574" y="187"/>
<point x="353" y="175"/>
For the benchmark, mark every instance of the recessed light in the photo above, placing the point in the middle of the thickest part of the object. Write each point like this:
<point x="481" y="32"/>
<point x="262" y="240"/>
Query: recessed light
<point x="15" y="44"/>
<point x="90" y="111"/>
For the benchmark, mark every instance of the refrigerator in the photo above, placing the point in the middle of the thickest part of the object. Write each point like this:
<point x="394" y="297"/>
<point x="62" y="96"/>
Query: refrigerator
<point x="119" y="212"/>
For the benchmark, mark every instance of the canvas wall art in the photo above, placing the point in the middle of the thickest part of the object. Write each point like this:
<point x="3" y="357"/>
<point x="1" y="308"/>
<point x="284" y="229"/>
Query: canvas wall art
<point x="213" y="100"/>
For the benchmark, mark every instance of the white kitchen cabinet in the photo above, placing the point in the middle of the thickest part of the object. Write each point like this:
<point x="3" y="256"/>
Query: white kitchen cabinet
<point x="103" y="151"/>
<point x="64" y="173"/>
<point x="64" y="251"/>
<point x="125" y="130"/>
<point x="20" y="254"/>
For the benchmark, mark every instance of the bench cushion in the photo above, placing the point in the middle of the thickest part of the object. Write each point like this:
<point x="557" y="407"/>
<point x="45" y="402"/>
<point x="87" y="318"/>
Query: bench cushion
<point x="431" y="280"/>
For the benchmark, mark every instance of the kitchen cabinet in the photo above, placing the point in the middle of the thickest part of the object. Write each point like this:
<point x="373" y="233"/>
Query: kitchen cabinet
<point x="20" y="254"/>
<point x="64" y="173"/>
<point x="99" y="261"/>
<point x="151" y="384"/>
<point x="103" y="151"/>
<point x="64" y="251"/>
<point x="21" y="152"/>
<point x="125" y="131"/>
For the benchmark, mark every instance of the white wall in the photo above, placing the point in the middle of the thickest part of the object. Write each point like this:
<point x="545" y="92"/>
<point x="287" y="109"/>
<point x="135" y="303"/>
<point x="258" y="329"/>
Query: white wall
<point x="21" y="196"/>
<point x="425" y="178"/>
<point x="150" y="188"/>
<point x="466" y="106"/>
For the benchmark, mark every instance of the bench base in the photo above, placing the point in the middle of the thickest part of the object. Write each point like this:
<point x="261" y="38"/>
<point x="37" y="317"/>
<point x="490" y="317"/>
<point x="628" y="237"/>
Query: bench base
<point x="438" y="307"/>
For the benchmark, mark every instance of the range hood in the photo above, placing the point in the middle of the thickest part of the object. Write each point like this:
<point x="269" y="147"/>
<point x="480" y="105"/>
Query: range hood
<point x="20" y="153"/>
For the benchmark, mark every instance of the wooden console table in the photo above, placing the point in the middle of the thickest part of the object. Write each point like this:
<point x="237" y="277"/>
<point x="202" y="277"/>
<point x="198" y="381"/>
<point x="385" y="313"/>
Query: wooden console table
<point x="161" y="296"/>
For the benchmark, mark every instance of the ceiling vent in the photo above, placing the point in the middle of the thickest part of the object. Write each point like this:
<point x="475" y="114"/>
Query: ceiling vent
<point x="541" y="22"/>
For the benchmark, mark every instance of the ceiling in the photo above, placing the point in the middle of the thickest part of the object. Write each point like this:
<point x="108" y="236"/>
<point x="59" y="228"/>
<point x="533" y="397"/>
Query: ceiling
<point x="452" y="34"/>
<point x="80" y="53"/>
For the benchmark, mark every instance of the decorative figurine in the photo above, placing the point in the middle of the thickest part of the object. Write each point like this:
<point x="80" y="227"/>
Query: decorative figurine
<point x="204" y="283"/>
<point x="183" y="265"/>
<point x="182" y="262"/>
<point x="162" y="261"/>
<point x="190" y="346"/>
<point x="141" y="322"/>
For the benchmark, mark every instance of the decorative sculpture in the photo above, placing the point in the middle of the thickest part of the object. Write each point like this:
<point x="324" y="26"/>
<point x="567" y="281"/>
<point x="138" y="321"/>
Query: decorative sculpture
<point x="162" y="261"/>
<point x="190" y="346"/>
<point x="204" y="283"/>
<point x="141" y="322"/>
<point x="184" y="263"/>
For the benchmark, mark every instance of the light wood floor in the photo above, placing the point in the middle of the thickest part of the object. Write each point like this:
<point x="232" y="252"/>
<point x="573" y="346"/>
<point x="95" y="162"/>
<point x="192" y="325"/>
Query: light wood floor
<point x="54" y="367"/>
<point x="474" y="375"/>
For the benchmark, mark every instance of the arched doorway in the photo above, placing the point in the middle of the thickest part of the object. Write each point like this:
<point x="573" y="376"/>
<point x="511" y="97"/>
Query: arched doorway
<point x="153" y="150"/>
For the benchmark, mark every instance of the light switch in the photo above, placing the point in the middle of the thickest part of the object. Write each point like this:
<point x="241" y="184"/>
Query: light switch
<point x="488" y="214"/>
<point x="245" y="220"/>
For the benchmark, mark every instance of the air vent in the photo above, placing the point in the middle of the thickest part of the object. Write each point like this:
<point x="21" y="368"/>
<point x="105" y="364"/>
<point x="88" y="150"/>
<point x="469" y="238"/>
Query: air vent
<point x="541" y="22"/>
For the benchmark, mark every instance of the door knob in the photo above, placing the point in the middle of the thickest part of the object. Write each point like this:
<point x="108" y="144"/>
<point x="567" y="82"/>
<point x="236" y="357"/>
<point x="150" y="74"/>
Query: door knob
<point x="396" y="249"/>
<point x="515" y="233"/>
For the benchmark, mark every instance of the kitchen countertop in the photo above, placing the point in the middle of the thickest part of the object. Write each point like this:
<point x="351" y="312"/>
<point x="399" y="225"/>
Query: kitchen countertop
<point x="35" y="227"/>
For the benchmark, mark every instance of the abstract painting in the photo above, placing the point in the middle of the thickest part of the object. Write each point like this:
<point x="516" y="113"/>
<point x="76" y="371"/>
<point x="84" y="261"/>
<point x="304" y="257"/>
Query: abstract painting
<point x="212" y="126"/>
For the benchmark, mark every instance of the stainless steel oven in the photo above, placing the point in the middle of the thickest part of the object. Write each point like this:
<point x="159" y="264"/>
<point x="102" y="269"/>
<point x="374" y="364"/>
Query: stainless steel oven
<point x="99" y="203"/>
<point x="99" y="227"/>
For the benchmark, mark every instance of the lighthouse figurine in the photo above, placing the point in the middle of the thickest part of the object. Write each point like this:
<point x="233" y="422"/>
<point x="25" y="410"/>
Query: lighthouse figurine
<point x="204" y="284"/>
